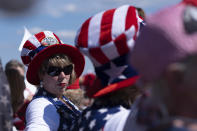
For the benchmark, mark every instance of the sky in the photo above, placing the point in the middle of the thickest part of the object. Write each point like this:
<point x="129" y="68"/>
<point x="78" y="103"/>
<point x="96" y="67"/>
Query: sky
<point x="63" y="17"/>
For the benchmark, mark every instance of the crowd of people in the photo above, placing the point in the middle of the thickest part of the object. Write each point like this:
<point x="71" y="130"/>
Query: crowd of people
<point x="144" y="80"/>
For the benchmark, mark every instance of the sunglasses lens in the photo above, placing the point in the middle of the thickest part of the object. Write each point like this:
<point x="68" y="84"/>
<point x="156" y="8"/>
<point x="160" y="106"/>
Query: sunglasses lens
<point x="68" y="69"/>
<point x="53" y="71"/>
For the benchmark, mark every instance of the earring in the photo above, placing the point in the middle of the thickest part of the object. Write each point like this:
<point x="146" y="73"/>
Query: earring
<point x="41" y="84"/>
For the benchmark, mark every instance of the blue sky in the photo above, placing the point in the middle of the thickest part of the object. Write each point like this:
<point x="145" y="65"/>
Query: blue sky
<point x="63" y="17"/>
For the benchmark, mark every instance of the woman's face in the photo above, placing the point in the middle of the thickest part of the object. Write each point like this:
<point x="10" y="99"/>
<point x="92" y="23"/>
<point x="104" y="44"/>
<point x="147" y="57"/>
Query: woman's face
<point x="56" y="83"/>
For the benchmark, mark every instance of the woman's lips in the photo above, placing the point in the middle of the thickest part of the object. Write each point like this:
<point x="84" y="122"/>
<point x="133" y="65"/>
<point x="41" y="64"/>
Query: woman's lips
<point x="62" y="84"/>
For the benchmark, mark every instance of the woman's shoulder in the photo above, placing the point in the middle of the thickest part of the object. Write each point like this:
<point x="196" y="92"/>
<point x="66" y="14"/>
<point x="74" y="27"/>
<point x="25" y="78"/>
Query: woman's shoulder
<point x="40" y="104"/>
<point x="41" y="101"/>
<point x="41" y="112"/>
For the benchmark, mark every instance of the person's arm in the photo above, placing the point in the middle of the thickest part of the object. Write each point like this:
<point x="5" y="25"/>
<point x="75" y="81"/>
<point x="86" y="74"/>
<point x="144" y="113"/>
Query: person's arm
<point x="41" y="115"/>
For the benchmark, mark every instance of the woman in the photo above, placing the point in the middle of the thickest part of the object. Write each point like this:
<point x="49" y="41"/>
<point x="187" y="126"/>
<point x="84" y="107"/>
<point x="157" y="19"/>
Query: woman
<point x="15" y="75"/>
<point x="53" y="66"/>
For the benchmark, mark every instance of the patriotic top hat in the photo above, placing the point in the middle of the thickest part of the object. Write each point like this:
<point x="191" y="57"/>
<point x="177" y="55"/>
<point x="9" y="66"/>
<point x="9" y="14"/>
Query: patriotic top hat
<point x="106" y="38"/>
<point x="43" y="45"/>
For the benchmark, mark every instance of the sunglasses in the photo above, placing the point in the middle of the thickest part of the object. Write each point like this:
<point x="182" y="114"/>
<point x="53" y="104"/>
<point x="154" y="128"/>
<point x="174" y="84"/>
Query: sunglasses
<point x="55" y="71"/>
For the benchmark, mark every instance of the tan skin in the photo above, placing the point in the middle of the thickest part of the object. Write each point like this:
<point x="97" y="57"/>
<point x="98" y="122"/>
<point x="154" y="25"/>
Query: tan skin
<point x="56" y="84"/>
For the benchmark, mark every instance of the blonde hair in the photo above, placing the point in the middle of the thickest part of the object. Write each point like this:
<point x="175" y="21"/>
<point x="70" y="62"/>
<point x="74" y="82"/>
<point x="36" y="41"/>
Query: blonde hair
<point x="74" y="95"/>
<point x="59" y="60"/>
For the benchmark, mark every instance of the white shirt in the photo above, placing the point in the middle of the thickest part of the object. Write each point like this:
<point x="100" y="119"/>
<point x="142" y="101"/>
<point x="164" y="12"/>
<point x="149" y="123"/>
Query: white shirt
<point x="41" y="115"/>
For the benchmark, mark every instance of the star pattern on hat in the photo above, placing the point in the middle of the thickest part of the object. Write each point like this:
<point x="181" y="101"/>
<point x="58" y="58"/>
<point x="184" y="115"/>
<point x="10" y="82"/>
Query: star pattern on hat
<point x="115" y="71"/>
<point x="4" y="100"/>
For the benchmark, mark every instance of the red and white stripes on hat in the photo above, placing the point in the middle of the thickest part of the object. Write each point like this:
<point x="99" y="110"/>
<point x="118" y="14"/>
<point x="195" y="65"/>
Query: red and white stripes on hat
<point x="45" y="38"/>
<point x="109" y="34"/>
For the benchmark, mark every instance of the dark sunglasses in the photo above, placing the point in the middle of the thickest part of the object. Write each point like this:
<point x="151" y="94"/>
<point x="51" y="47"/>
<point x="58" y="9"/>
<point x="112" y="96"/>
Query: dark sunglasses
<point x="55" y="71"/>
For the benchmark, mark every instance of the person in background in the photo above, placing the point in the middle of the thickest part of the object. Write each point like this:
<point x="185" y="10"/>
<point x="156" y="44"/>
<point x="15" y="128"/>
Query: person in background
<point x="106" y="38"/>
<point x="52" y="66"/>
<point x="165" y="56"/>
<point x="5" y="101"/>
<point x="15" y="74"/>
<point x="86" y="82"/>
<point x="141" y="12"/>
<point x="74" y="94"/>
<point x="29" y="90"/>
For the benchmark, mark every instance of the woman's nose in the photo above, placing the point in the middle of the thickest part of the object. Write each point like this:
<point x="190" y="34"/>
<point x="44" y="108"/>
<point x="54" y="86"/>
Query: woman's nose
<point x="62" y="75"/>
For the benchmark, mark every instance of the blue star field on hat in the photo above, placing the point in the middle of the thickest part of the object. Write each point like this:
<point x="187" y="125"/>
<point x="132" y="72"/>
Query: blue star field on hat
<point x="115" y="71"/>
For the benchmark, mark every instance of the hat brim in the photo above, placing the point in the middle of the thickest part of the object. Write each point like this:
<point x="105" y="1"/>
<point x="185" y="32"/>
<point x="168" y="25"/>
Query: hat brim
<point x="115" y="87"/>
<point x="76" y="57"/>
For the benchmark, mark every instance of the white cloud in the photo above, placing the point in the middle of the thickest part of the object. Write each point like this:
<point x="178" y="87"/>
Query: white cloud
<point x="69" y="8"/>
<point x="54" y="13"/>
<point x="66" y="34"/>
<point x="61" y="10"/>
